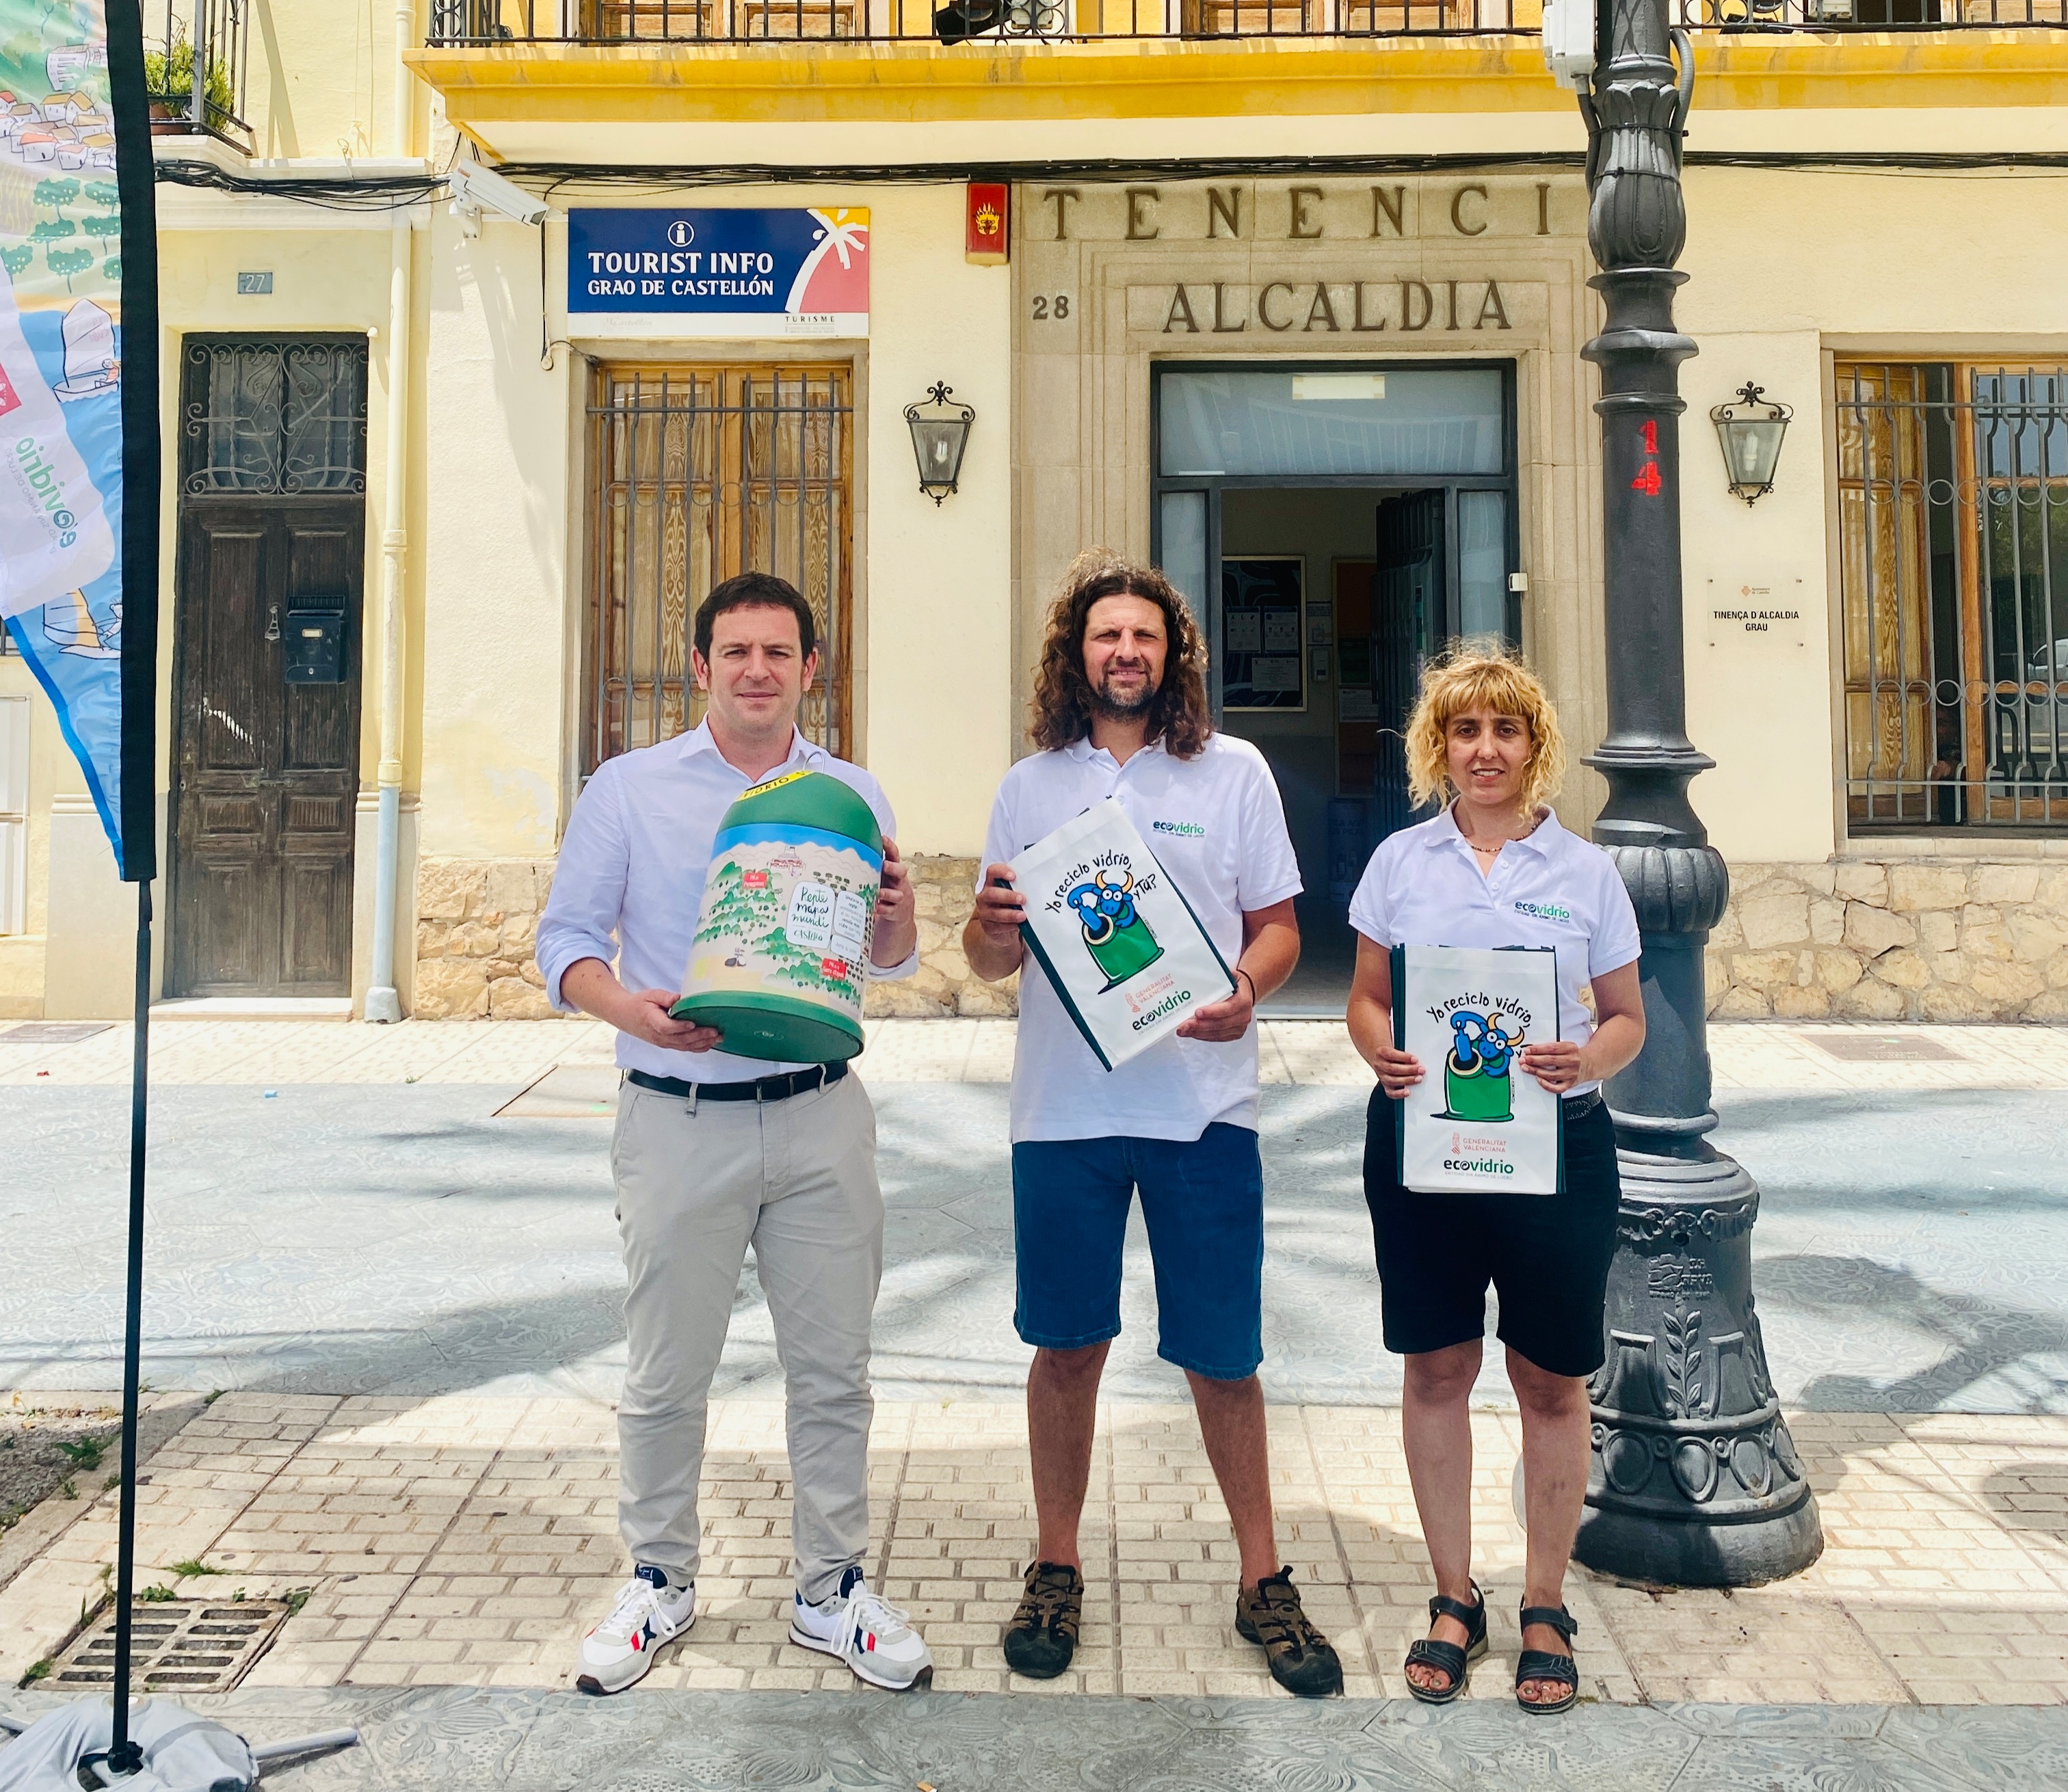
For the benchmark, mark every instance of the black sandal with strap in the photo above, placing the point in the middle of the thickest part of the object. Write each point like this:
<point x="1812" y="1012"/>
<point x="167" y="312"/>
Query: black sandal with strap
<point x="1448" y="1658"/>
<point x="1542" y="1665"/>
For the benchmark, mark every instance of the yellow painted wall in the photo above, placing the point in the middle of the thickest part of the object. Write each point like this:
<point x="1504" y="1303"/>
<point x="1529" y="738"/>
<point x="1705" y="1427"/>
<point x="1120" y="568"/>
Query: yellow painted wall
<point x="320" y="77"/>
<point x="932" y="669"/>
<point x="1782" y="266"/>
<point x="940" y="726"/>
<point x="496" y="553"/>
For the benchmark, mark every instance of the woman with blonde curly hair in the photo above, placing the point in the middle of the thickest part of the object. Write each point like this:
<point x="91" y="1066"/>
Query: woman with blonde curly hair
<point x="1494" y="868"/>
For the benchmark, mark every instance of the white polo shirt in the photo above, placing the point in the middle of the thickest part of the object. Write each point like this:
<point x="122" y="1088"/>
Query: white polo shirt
<point x="1423" y="888"/>
<point x="1216" y="825"/>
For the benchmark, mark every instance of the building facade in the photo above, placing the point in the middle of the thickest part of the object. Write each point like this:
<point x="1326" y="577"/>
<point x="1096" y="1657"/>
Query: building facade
<point x="1289" y="298"/>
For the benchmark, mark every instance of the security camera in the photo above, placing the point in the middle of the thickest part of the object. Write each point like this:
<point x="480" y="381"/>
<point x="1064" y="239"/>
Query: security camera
<point x="474" y="187"/>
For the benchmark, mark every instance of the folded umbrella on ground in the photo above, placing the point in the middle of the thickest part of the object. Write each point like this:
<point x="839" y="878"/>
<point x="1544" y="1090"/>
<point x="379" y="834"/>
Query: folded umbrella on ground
<point x="68" y="1749"/>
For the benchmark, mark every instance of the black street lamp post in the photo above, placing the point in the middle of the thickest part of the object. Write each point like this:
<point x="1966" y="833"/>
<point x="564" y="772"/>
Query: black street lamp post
<point x="1695" y="1480"/>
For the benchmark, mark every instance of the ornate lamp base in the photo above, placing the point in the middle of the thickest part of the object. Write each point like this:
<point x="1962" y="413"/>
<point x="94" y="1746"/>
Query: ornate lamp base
<point x="1694" y="1481"/>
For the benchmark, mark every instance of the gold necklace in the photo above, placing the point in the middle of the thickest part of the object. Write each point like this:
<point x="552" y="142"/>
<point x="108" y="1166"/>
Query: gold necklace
<point x="1494" y="851"/>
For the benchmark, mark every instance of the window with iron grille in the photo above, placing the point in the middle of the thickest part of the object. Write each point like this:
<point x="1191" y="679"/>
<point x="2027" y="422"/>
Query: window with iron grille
<point x="276" y="415"/>
<point x="696" y="474"/>
<point x="1953" y="563"/>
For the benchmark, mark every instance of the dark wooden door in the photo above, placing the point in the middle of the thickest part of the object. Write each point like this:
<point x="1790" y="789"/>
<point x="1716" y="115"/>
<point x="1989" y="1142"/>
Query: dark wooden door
<point x="272" y="524"/>
<point x="268" y="771"/>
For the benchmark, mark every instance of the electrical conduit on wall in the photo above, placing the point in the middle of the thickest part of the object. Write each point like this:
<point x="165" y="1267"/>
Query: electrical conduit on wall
<point x="383" y="1001"/>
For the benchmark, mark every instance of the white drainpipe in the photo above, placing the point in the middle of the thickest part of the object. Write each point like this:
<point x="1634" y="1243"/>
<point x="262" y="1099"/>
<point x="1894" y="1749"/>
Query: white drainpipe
<point x="383" y="1003"/>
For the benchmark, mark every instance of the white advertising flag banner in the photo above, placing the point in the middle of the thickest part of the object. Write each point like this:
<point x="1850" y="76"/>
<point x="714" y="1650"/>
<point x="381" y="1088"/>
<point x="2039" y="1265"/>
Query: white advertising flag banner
<point x="1116" y="936"/>
<point x="1476" y="1120"/>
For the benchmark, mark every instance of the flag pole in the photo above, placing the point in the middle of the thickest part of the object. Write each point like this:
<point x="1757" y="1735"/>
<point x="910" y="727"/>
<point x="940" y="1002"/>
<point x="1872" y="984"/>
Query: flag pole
<point x="138" y="851"/>
<point x="124" y="1756"/>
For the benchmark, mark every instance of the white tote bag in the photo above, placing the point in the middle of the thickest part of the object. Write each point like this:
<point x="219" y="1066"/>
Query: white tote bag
<point x="1477" y="1120"/>
<point x="1116" y="937"/>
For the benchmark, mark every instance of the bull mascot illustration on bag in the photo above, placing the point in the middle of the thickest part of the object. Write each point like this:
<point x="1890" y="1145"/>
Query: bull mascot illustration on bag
<point x="1477" y="1082"/>
<point x="1115" y="934"/>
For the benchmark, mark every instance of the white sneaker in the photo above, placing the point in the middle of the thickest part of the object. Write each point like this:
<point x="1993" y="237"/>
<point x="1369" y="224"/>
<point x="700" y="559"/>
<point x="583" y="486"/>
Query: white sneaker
<point x="648" y="1614"/>
<point x="871" y="1637"/>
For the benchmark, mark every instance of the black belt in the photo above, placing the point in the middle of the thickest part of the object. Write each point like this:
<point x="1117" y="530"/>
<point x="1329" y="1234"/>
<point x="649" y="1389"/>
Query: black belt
<point x="1577" y="1106"/>
<point x="767" y="1088"/>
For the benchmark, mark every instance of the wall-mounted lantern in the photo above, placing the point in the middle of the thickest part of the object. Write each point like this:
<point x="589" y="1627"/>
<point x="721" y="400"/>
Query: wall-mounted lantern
<point x="1750" y="432"/>
<point x="940" y="432"/>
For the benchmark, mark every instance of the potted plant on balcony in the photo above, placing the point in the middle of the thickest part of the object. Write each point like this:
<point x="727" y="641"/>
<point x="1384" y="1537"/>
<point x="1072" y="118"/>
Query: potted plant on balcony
<point x="169" y="82"/>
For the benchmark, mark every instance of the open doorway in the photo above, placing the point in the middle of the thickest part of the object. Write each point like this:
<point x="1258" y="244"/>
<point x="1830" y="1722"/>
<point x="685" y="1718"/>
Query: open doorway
<point x="1333" y="527"/>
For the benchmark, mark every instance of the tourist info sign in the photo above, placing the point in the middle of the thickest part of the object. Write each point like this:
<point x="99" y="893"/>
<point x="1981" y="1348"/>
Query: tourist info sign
<point x="1477" y="1120"/>
<point x="1126" y="953"/>
<point x="748" y="272"/>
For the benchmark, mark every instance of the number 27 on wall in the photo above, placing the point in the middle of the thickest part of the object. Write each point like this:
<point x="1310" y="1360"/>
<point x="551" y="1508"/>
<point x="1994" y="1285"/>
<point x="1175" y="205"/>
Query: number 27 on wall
<point x="1647" y="480"/>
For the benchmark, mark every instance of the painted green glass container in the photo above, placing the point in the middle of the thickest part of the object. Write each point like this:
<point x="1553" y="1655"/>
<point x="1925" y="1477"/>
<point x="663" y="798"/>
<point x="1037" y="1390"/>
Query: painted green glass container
<point x="781" y="952"/>
<point x="1476" y="1091"/>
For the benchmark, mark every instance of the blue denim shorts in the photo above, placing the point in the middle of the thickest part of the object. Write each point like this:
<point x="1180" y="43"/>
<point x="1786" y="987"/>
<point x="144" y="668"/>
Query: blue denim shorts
<point x="1202" y="1202"/>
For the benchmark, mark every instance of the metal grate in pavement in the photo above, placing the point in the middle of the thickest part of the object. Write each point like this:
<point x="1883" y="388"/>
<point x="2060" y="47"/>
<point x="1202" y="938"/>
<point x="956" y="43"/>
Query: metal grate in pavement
<point x="51" y="1033"/>
<point x="176" y="1645"/>
<point x="1884" y="1048"/>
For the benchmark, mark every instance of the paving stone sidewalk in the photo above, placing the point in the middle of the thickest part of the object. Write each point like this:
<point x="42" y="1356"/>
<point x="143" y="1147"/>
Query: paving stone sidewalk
<point x="464" y="1540"/>
<point x="453" y="1522"/>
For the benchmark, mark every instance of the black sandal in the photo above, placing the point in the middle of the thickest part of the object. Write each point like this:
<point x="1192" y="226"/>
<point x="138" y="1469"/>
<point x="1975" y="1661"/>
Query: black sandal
<point x="1448" y="1658"/>
<point x="1542" y="1665"/>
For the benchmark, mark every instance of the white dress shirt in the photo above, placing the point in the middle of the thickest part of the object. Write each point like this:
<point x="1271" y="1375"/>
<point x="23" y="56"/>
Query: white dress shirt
<point x="630" y="879"/>
<point x="1216" y="826"/>
<point x="1552" y="888"/>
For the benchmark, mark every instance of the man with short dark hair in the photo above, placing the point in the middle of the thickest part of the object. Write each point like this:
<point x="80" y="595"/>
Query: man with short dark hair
<point x="715" y="1153"/>
<point x="1120" y="707"/>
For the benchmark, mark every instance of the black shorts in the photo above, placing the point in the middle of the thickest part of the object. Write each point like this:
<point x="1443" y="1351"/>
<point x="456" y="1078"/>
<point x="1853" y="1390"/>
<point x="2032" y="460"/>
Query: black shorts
<point x="1546" y="1255"/>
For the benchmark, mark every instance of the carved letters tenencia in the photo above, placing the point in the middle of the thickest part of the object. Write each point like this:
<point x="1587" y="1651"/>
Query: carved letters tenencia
<point x="1335" y="307"/>
<point x="1213" y="214"/>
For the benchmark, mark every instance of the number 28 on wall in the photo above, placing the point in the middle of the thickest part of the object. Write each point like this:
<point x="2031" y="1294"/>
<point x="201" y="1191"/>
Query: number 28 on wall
<point x="1647" y="480"/>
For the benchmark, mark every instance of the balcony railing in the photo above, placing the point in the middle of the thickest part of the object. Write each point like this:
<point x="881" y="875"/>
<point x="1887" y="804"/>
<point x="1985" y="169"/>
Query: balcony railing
<point x="1870" y="15"/>
<point x="458" y="22"/>
<point x="195" y="54"/>
<point x="614" y="22"/>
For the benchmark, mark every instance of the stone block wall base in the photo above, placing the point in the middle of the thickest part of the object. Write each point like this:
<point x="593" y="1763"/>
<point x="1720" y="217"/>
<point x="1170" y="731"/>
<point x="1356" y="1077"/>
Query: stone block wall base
<point x="476" y="920"/>
<point x="1863" y="938"/>
<point x="943" y="891"/>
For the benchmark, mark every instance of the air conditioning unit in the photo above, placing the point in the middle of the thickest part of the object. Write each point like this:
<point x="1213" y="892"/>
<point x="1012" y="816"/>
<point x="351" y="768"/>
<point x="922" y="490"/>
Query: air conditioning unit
<point x="1569" y="40"/>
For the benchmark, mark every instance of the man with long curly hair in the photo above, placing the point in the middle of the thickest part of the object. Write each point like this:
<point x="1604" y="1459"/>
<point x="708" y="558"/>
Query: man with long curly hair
<point x="1120" y="710"/>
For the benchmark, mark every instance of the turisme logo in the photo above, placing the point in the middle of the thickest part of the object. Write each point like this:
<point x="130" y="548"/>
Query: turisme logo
<point x="1185" y="830"/>
<point x="9" y="399"/>
<point x="1544" y="911"/>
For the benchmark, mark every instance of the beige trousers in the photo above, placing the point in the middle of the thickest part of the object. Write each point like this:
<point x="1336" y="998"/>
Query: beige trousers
<point x="796" y="1180"/>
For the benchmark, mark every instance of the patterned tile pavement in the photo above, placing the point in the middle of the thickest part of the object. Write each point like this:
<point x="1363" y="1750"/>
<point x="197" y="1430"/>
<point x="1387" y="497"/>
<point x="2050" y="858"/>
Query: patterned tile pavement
<point x="461" y="1739"/>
